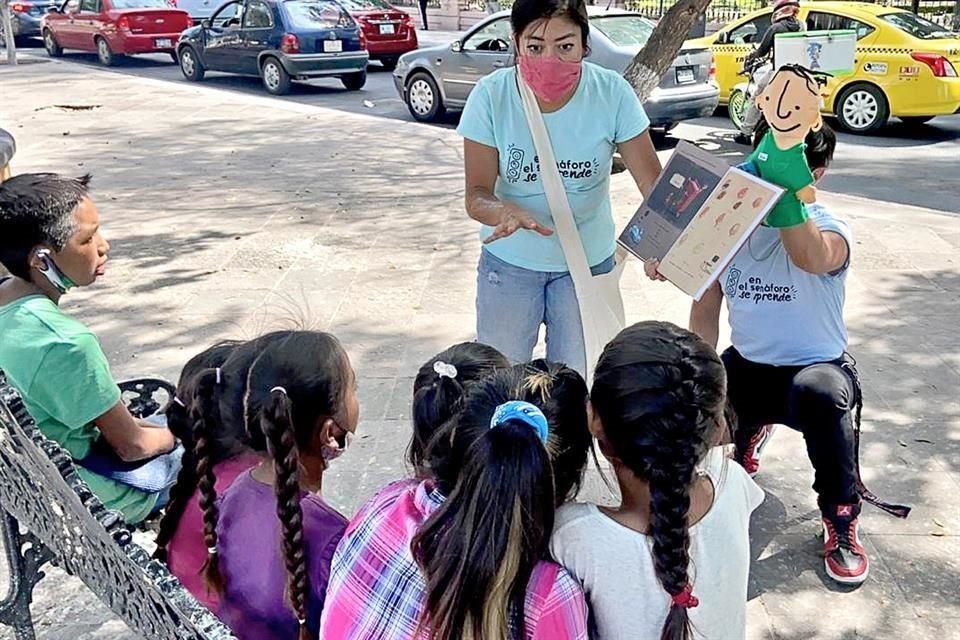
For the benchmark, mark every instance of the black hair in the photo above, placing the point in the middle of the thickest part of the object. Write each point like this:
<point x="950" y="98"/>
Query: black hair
<point x="478" y="550"/>
<point x="528" y="12"/>
<point x="436" y="398"/>
<point x="217" y="431"/>
<point x="178" y="421"/>
<point x="561" y="393"/>
<point x="660" y="393"/>
<point x="296" y="384"/>
<point x="35" y="209"/>
<point x="821" y="144"/>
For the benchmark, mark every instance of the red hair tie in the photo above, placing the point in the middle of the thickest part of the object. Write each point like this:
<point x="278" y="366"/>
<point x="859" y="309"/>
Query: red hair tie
<point x="686" y="599"/>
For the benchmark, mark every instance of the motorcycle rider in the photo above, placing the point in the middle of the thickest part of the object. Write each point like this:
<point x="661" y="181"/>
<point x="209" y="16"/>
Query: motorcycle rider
<point x="784" y="20"/>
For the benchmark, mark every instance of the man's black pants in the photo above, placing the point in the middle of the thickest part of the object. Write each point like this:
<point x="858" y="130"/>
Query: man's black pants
<point x="818" y="400"/>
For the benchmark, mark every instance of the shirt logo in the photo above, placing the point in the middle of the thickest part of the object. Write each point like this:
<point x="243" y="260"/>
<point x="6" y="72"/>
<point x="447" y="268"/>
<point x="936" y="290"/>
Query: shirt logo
<point x="762" y="156"/>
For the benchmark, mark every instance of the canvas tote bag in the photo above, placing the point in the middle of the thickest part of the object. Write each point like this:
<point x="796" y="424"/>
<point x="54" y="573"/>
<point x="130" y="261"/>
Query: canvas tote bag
<point x="601" y="305"/>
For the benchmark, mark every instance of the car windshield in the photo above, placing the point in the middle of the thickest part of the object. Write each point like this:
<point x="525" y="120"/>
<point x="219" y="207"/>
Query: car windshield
<point x="916" y="26"/>
<point x="317" y="14"/>
<point x="141" y="4"/>
<point x="366" y="5"/>
<point x="624" y="31"/>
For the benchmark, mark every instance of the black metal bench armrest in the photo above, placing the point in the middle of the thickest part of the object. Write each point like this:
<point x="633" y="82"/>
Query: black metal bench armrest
<point x="141" y="395"/>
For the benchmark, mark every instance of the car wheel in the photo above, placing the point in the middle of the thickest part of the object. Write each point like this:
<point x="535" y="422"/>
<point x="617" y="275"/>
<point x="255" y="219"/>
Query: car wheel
<point x="423" y="98"/>
<point x="354" y="81"/>
<point x="915" y="121"/>
<point x="107" y="57"/>
<point x="275" y="78"/>
<point x="737" y="108"/>
<point x="862" y="108"/>
<point x="390" y="63"/>
<point x="190" y="65"/>
<point x="54" y="50"/>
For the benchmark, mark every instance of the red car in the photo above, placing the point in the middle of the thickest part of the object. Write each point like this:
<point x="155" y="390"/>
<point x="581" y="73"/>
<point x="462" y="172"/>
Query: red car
<point x="114" y="28"/>
<point x="388" y="31"/>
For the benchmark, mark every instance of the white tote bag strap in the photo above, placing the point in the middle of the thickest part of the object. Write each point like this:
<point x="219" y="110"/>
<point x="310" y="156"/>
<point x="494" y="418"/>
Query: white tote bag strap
<point x="601" y="306"/>
<point x="556" y="194"/>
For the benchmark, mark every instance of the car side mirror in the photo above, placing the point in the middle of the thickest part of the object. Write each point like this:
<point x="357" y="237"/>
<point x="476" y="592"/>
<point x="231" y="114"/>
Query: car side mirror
<point x="456" y="46"/>
<point x="206" y="24"/>
<point x="723" y="38"/>
<point x="53" y="10"/>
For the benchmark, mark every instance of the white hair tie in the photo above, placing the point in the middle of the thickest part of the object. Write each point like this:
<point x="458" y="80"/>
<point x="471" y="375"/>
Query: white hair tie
<point x="444" y="370"/>
<point x="219" y="375"/>
<point x="280" y="389"/>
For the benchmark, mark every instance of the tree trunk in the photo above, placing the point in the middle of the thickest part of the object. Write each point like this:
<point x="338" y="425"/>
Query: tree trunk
<point x="649" y="65"/>
<point x="6" y="23"/>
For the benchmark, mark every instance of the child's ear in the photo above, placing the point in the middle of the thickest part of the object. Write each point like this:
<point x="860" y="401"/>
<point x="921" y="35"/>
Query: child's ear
<point x="593" y="422"/>
<point x="818" y="124"/>
<point x="324" y="434"/>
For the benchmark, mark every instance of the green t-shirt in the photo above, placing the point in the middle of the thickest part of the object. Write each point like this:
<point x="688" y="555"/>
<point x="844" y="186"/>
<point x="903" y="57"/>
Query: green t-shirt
<point x="785" y="168"/>
<point x="57" y="365"/>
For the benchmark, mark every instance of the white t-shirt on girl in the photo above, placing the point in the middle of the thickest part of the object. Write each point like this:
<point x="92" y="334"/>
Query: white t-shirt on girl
<point x="615" y="563"/>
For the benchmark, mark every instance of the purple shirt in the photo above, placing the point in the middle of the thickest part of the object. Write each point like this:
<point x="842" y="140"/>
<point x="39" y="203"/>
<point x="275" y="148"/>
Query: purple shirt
<point x="251" y="559"/>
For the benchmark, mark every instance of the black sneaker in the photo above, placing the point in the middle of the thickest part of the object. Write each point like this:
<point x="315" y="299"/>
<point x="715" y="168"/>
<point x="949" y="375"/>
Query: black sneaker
<point x="844" y="557"/>
<point x="742" y="138"/>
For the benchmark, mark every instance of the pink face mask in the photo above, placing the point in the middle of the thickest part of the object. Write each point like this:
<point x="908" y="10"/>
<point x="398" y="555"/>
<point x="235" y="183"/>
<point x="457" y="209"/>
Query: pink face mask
<point x="550" y="79"/>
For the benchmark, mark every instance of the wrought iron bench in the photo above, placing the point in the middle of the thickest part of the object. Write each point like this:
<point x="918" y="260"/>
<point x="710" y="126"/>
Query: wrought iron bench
<point x="48" y="514"/>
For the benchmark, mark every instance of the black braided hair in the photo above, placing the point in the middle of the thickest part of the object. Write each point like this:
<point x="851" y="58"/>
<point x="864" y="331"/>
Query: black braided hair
<point x="201" y="411"/>
<point x="179" y="423"/>
<point x="659" y="391"/>
<point x="436" y="397"/>
<point x="294" y="386"/>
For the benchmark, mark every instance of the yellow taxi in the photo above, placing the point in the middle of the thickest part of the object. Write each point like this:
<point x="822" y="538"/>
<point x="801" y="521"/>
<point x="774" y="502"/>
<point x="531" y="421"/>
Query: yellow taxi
<point x="906" y="66"/>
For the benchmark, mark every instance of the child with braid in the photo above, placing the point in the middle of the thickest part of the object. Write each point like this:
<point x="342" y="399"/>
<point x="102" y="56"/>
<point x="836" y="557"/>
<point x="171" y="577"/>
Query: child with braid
<point x="672" y="560"/>
<point x="271" y="537"/>
<point x="209" y="401"/>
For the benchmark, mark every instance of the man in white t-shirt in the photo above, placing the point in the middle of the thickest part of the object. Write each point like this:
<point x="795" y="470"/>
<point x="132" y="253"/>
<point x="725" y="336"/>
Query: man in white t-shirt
<point x="789" y="363"/>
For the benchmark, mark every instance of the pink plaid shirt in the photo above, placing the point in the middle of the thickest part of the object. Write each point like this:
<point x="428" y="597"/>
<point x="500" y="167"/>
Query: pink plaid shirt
<point x="376" y="590"/>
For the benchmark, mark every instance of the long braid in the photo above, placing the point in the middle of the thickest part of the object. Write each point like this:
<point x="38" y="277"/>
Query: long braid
<point x="670" y="482"/>
<point x="180" y="496"/>
<point x="201" y="410"/>
<point x="277" y="424"/>
<point x="659" y="391"/>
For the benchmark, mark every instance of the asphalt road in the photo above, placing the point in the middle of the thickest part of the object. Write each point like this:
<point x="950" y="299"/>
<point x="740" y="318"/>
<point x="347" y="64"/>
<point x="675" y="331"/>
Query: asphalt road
<point x="918" y="167"/>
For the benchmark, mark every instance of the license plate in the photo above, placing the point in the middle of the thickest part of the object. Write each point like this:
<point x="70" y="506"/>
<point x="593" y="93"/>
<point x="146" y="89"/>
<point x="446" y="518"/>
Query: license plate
<point x="685" y="75"/>
<point x="332" y="46"/>
<point x="387" y="29"/>
<point x="164" y="43"/>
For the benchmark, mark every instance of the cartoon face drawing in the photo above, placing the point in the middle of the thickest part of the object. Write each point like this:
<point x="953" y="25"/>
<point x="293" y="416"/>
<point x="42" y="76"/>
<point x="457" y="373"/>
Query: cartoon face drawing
<point x="813" y="55"/>
<point x="791" y="102"/>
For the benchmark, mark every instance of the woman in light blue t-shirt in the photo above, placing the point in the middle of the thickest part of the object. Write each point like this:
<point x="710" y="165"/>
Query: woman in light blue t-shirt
<point x="590" y="112"/>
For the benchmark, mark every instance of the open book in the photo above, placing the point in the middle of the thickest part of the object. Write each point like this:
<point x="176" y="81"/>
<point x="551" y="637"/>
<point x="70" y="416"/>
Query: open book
<point x="697" y="217"/>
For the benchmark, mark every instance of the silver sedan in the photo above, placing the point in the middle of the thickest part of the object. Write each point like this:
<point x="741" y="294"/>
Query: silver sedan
<point x="436" y="79"/>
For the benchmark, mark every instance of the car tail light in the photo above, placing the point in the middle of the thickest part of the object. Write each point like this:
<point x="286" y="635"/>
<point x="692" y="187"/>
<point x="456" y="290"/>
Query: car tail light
<point x="290" y="43"/>
<point x="363" y="40"/>
<point x="123" y="23"/>
<point x="712" y="74"/>
<point x="18" y="7"/>
<point x="941" y="66"/>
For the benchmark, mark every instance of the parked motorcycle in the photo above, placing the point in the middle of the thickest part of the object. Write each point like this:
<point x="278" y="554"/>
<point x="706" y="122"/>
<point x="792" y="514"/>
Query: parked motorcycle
<point x="744" y="93"/>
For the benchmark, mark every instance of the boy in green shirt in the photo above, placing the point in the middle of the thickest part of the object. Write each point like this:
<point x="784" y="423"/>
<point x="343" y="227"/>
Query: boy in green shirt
<point x="50" y="242"/>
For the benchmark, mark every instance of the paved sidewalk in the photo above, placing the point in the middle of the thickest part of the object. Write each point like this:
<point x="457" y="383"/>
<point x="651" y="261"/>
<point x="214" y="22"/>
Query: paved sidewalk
<point x="231" y="214"/>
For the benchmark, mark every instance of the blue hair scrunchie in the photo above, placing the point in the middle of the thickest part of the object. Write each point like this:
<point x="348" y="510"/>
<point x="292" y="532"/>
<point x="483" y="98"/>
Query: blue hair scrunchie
<point x="526" y="413"/>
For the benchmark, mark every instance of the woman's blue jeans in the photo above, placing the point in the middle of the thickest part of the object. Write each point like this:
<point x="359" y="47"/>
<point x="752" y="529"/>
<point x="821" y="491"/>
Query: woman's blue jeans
<point x="512" y="303"/>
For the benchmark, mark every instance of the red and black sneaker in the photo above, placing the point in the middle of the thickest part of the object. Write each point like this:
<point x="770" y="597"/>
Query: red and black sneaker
<point x="751" y="457"/>
<point x="844" y="557"/>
